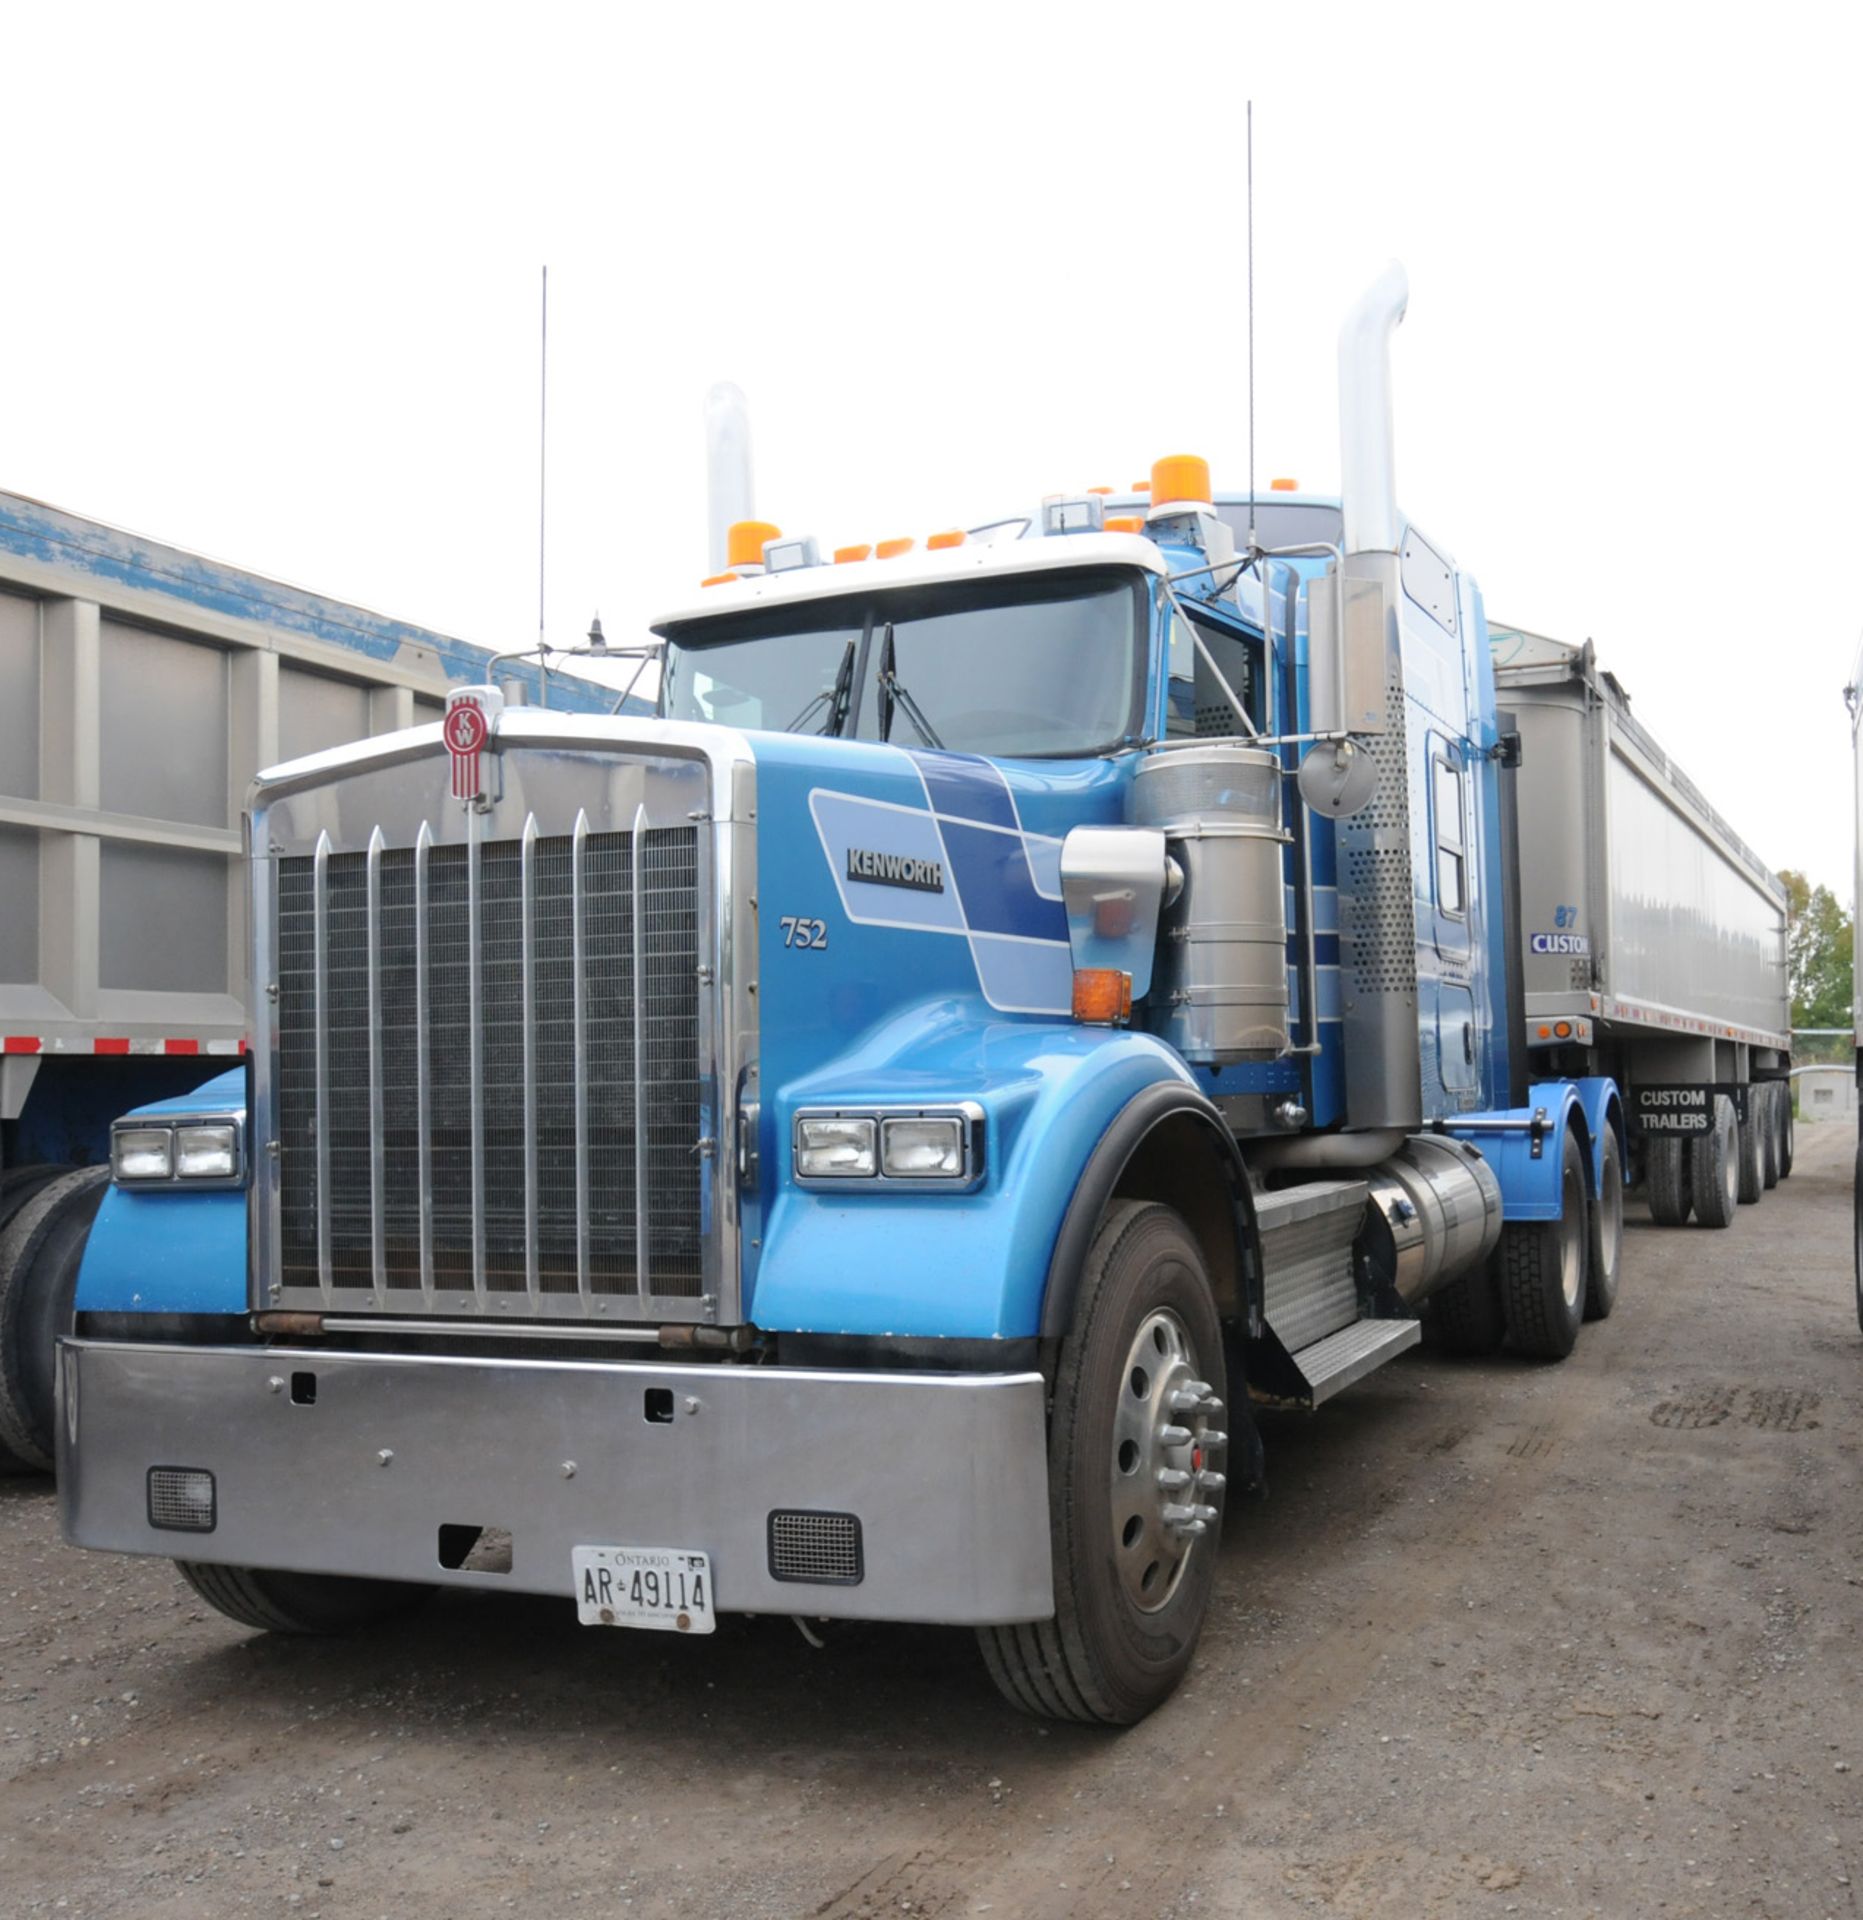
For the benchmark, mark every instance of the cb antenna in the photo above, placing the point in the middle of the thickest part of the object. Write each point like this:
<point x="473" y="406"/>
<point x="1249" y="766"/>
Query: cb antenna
<point x="543" y="444"/>
<point x="1251" y="322"/>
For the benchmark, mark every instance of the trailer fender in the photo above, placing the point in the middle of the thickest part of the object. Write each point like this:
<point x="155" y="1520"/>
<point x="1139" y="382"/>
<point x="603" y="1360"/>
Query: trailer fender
<point x="1525" y="1155"/>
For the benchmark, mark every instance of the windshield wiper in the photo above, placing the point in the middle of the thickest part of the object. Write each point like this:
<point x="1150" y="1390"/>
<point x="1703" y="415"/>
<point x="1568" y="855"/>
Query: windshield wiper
<point x="893" y="689"/>
<point x="834" y="698"/>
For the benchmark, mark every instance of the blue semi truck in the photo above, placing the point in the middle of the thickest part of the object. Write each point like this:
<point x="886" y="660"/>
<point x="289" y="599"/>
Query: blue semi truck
<point x="859" y="1143"/>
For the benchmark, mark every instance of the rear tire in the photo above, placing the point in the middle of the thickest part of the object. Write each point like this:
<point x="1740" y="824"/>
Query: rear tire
<point x="1714" y="1167"/>
<point x="1856" y="1215"/>
<point x="40" y="1252"/>
<point x="1131" y="1590"/>
<point x="1665" y="1173"/>
<point x="1769" y="1132"/>
<point x="1465" y="1317"/>
<point x="1541" y="1267"/>
<point x="1785" y="1129"/>
<point x="324" y="1603"/>
<point x="1752" y="1152"/>
<point x="1607" y="1231"/>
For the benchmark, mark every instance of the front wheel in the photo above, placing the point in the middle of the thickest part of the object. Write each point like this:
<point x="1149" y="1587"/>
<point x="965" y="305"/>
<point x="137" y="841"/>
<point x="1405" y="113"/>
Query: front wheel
<point x="1135" y="1501"/>
<point x="274" y="1602"/>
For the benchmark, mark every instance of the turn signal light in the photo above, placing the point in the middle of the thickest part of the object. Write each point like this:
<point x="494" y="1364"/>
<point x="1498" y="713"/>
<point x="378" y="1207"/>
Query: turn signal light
<point x="744" y="542"/>
<point x="1283" y="486"/>
<point x="1563" y="1030"/>
<point x="1102" y="996"/>
<point x="940" y="541"/>
<point x="1180" y="476"/>
<point x="842" y="555"/>
<point x="892" y="549"/>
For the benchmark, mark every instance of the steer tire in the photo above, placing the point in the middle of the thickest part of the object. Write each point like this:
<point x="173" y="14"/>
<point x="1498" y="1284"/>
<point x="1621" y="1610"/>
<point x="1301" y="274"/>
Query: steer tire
<point x="1714" y="1167"/>
<point x="1145" y="1325"/>
<point x="1752" y="1153"/>
<point x="1768" y="1117"/>
<point x="1465" y="1317"/>
<point x="1605" y="1266"/>
<point x="19" y="1184"/>
<point x="40" y="1252"/>
<point x="323" y="1603"/>
<point x="1541" y="1265"/>
<point x="1665" y="1175"/>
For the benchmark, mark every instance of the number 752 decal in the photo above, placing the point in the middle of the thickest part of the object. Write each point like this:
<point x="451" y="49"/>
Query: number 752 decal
<point x="804" y="933"/>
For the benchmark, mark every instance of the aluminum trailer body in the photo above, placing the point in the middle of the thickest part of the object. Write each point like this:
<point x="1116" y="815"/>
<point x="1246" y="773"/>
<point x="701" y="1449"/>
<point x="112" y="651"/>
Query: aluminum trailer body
<point x="1654" y="938"/>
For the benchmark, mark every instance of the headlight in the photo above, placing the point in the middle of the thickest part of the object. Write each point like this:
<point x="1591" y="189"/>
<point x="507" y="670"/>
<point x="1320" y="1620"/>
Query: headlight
<point x="206" y="1153"/>
<point x="922" y="1149"/>
<point x="142" y="1153"/>
<point x="834" y="1148"/>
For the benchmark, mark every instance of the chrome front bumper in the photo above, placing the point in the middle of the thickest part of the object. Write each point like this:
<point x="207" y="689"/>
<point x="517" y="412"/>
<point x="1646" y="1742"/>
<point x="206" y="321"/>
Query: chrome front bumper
<point x="947" y="1473"/>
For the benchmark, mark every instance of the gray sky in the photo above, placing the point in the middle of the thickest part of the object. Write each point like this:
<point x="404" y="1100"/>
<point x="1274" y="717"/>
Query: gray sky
<point x="271" y="292"/>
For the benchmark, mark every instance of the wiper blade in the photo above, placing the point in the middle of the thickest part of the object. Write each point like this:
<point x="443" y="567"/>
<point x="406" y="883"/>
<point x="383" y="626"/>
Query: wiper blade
<point x="834" y="698"/>
<point x="893" y="692"/>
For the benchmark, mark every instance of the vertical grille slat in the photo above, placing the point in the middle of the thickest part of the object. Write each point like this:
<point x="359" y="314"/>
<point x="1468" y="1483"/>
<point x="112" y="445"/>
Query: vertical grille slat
<point x="488" y="1086"/>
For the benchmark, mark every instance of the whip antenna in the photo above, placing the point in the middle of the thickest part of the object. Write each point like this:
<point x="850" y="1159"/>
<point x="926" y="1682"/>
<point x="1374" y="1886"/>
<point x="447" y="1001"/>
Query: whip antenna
<point x="543" y="431"/>
<point x="1251" y="322"/>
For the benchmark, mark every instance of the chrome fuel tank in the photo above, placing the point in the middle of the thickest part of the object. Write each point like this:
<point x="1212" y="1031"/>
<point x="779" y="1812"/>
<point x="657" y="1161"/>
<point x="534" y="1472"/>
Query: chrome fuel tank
<point x="1220" y="991"/>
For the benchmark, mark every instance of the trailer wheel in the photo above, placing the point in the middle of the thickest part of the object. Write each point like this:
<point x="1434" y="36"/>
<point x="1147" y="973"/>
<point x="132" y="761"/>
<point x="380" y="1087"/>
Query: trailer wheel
<point x="1752" y="1153"/>
<point x="299" y="1602"/>
<point x="1785" y="1129"/>
<point x="1465" y="1316"/>
<point x="1541" y="1267"/>
<point x="1134" y="1501"/>
<point x="1769" y="1132"/>
<point x="1607" y="1231"/>
<point x="1665" y="1173"/>
<point x="1714" y="1167"/>
<point x="39" y="1255"/>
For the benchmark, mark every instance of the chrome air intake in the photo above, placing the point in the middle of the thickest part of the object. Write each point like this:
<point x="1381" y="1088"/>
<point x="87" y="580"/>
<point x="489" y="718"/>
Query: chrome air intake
<point x="1220" y="990"/>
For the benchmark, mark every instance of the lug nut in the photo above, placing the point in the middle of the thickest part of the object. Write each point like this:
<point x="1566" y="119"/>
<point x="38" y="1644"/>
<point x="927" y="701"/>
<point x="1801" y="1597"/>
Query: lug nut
<point x="1174" y="1436"/>
<point x="1172" y="1479"/>
<point x="1208" y="1482"/>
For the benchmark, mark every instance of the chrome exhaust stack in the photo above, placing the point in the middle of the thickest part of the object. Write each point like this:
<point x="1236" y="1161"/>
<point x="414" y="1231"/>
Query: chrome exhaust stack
<point x="728" y="486"/>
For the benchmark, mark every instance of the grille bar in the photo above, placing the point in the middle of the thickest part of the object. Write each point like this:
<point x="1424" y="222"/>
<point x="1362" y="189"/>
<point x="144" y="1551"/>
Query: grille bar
<point x="490" y="1094"/>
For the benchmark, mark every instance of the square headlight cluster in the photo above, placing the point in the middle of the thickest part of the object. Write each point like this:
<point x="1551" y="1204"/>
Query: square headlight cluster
<point x="942" y="1146"/>
<point x="190" y="1152"/>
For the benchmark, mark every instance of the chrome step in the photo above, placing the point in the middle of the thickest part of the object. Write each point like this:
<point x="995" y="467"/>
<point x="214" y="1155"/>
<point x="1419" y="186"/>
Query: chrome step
<point x="1308" y="1286"/>
<point x="1331" y="1365"/>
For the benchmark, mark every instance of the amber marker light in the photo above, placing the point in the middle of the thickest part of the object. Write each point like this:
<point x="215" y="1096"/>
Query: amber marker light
<point x="1124" y="523"/>
<point x="718" y="580"/>
<point x="744" y="542"/>
<point x="892" y="549"/>
<point x="842" y="555"/>
<point x="1546" y="1033"/>
<point x="1180" y="476"/>
<point x="938" y="542"/>
<point x="1102" y="996"/>
<point x="1283" y="486"/>
<point x="1563" y="1030"/>
<point x="1099" y="489"/>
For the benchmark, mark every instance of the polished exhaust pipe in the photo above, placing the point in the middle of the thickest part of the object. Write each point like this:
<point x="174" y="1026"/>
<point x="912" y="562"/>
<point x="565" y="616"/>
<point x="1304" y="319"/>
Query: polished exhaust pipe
<point x="1367" y="467"/>
<point x="728" y="490"/>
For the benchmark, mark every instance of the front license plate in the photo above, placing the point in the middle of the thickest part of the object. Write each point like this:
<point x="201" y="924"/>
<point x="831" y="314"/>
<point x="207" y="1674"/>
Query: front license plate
<point x="668" y="1588"/>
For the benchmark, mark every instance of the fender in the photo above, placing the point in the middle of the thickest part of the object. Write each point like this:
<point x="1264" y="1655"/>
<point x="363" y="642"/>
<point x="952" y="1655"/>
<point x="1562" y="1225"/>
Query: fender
<point x="169" y="1251"/>
<point x="1603" y="1108"/>
<point x="1118" y="1147"/>
<point x="974" y="1265"/>
<point x="1531" y="1185"/>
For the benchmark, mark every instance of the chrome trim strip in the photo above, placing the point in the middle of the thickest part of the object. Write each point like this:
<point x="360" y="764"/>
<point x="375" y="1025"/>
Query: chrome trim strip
<point x="491" y="1329"/>
<point x="423" y="1060"/>
<point x="320" y="935"/>
<point x="527" y="922"/>
<point x="579" y="840"/>
<point x="637" y="849"/>
<point x="378" y="1122"/>
<point x="475" y="1045"/>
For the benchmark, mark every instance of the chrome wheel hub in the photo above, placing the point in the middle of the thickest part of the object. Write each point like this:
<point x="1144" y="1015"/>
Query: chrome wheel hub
<point x="1162" y="1484"/>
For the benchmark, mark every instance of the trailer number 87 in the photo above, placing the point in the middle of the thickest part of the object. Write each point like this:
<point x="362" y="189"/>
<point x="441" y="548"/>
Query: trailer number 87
<point x="804" y="933"/>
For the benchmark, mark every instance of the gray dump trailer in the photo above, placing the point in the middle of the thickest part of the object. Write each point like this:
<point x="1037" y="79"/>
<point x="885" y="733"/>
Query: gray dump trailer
<point x="141" y="689"/>
<point x="1653" y="938"/>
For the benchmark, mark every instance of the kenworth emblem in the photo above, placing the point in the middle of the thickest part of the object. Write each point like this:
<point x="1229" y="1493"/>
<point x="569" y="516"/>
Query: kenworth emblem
<point x="895" y="870"/>
<point x="466" y="728"/>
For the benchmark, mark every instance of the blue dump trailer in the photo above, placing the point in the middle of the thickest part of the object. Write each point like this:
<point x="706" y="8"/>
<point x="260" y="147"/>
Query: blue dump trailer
<point x="860" y="1143"/>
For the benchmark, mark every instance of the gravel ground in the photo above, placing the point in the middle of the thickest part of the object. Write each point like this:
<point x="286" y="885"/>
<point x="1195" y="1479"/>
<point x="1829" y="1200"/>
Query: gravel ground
<point x="1503" y="1639"/>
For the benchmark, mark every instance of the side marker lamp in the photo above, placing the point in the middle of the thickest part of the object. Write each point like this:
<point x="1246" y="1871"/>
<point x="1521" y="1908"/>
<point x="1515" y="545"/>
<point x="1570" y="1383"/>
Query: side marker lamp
<point x="1102" y="996"/>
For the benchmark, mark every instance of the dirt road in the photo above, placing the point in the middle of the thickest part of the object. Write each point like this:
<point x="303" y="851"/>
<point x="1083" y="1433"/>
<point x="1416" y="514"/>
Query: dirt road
<point x="1503" y="1639"/>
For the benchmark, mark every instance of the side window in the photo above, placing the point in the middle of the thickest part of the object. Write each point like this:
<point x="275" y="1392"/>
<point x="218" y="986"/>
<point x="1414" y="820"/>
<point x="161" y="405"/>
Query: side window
<point x="1451" y="848"/>
<point x="1196" y="707"/>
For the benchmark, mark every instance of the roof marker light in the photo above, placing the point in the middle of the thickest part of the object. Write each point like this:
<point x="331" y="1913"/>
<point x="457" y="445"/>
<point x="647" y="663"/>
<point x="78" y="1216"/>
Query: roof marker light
<point x="892" y="549"/>
<point x="1100" y="489"/>
<point x="745" y="541"/>
<point x="842" y="555"/>
<point x="1180" y="479"/>
<point x="718" y="580"/>
<point x="1140" y="486"/>
<point x="938" y="542"/>
<point x="1126" y="523"/>
<point x="1283" y="486"/>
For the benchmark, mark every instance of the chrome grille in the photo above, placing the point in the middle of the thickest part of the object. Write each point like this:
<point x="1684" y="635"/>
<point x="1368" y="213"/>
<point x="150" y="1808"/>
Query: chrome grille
<point x="822" y="1549"/>
<point x="489" y="1086"/>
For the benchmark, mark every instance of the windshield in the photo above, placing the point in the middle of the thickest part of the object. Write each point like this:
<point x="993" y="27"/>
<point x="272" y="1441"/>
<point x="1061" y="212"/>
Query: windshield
<point x="1046" y="664"/>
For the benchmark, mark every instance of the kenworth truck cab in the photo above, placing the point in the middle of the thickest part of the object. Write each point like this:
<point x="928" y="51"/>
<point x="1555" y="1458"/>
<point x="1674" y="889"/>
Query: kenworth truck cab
<point x="856" y="1144"/>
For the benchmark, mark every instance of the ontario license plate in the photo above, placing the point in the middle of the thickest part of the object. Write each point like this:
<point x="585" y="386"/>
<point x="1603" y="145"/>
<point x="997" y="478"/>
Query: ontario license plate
<point x="668" y="1588"/>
